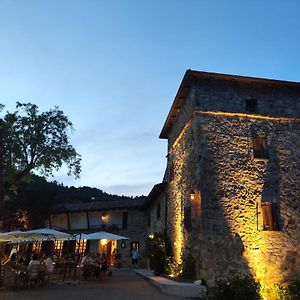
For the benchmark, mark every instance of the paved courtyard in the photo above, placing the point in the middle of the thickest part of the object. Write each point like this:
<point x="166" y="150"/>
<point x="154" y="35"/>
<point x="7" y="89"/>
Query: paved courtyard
<point x="123" y="285"/>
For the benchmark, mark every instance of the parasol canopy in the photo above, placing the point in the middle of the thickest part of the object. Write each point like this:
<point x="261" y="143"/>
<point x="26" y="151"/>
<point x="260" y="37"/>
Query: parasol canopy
<point x="42" y="234"/>
<point x="102" y="235"/>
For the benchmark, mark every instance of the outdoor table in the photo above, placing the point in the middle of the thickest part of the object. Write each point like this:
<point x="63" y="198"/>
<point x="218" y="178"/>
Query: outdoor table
<point x="88" y="270"/>
<point x="66" y="269"/>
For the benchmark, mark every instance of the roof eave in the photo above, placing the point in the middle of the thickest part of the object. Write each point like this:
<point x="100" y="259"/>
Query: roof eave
<point x="174" y="108"/>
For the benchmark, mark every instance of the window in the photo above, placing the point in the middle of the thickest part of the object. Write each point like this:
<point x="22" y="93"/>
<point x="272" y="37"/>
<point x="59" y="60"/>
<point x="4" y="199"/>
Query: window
<point x="251" y="106"/>
<point x="188" y="217"/>
<point x="269" y="216"/>
<point x="80" y="248"/>
<point x="58" y="248"/>
<point x="125" y="220"/>
<point x="260" y="147"/>
<point x="36" y="247"/>
<point x="158" y="211"/>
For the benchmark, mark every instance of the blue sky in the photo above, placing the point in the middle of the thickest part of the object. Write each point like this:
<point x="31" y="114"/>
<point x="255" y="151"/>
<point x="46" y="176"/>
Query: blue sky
<point x="114" y="68"/>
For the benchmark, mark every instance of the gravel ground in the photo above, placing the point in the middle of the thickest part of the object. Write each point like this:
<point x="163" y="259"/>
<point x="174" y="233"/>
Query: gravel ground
<point x="123" y="285"/>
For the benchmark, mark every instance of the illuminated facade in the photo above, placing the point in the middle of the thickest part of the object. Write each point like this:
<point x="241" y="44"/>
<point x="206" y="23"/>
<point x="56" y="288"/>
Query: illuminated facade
<point x="233" y="179"/>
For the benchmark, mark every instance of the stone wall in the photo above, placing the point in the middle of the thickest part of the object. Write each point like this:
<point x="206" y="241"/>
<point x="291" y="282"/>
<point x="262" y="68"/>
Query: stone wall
<point x="137" y="232"/>
<point x="214" y="156"/>
<point x="157" y="224"/>
<point x="230" y="95"/>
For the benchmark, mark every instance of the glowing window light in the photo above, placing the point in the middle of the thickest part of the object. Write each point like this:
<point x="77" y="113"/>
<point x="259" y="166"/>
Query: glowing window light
<point x="103" y="242"/>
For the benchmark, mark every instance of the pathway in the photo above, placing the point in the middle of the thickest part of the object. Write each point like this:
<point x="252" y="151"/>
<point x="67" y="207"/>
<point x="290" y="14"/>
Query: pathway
<point x="122" y="285"/>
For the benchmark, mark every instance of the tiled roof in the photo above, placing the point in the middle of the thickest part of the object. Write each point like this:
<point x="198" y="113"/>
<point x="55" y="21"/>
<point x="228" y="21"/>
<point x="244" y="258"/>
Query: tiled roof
<point x="99" y="205"/>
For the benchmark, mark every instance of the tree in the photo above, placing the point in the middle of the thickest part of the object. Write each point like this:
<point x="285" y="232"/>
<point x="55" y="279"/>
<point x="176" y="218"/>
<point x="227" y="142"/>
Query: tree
<point x="37" y="141"/>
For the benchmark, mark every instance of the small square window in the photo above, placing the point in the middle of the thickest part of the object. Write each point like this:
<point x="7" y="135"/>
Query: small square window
<point x="260" y="147"/>
<point x="125" y="220"/>
<point x="251" y="106"/>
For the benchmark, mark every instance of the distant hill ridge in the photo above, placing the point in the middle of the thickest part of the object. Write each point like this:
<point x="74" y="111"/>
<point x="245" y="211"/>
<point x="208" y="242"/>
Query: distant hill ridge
<point x="63" y="194"/>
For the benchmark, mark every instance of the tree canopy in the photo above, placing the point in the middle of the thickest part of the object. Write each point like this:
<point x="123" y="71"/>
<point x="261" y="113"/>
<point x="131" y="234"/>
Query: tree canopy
<point x="37" y="141"/>
<point x="36" y="198"/>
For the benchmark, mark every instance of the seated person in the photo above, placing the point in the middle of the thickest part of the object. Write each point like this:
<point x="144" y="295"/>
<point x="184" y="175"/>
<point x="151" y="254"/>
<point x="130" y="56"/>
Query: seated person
<point x="49" y="264"/>
<point x="55" y="258"/>
<point x="14" y="277"/>
<point x="33" y="262"/>
<point x="33" y="268"/>
<point x="46" y="268"/>
<point x="103" y="263"/>
<point x="97" y="263"/>
<point x="85" y="262"/>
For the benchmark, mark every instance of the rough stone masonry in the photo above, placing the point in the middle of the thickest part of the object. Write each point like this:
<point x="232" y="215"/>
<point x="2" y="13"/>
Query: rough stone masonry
<point x="234" y="142"/>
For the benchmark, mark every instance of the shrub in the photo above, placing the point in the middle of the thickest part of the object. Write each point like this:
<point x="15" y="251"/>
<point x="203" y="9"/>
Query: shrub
<point x="289" y="292"/>
<point x="189" y="267"/>
<point x="155" y="248"/>
<point x="172" y="268"/>
<point x="294" y="290"/>
<point x="238" y="289"/>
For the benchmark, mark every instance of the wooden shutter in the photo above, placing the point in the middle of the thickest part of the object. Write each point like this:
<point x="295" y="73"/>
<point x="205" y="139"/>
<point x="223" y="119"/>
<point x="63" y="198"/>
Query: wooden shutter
<point x="197" y="205"/>
<point x="269" y="218"/>
<point x="260" y="147"/>
<point x="187" y="217"/>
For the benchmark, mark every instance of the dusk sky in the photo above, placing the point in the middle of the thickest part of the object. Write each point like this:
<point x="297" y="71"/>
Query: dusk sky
<point x="114" y="68"/>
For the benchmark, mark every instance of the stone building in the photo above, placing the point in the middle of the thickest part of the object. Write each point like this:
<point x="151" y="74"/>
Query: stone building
<point x="156" y="208"/>
<point x="232" y="187"/>
<point x="122" y="217"/>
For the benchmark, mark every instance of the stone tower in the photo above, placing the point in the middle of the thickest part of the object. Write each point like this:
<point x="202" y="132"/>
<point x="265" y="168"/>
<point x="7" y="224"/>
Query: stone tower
<point x="233" y="177"/>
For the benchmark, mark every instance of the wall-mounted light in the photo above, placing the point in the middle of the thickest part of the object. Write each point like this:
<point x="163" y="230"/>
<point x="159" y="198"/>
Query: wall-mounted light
<point x="192" y="195"/>
<point x="123" y="245"/>
<point x="151" y="236"/>
<point x="104" y="218"/>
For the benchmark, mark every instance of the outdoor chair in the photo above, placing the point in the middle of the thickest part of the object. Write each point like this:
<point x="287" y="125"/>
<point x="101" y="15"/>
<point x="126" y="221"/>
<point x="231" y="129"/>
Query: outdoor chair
<point x="33" y="275"/>
<point x="47" y="278"/>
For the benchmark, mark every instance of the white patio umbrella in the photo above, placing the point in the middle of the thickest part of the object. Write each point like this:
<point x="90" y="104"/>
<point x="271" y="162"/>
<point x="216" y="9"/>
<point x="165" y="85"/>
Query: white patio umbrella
<point x="102" y="235"/>
<point x="48" y="233"/>
<point x="34" y="235"/>
<point x="9" y="236"/>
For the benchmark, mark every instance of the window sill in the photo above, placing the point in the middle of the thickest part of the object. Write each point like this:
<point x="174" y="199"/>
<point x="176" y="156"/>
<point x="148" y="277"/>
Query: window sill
<point x="261" y="159"/>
